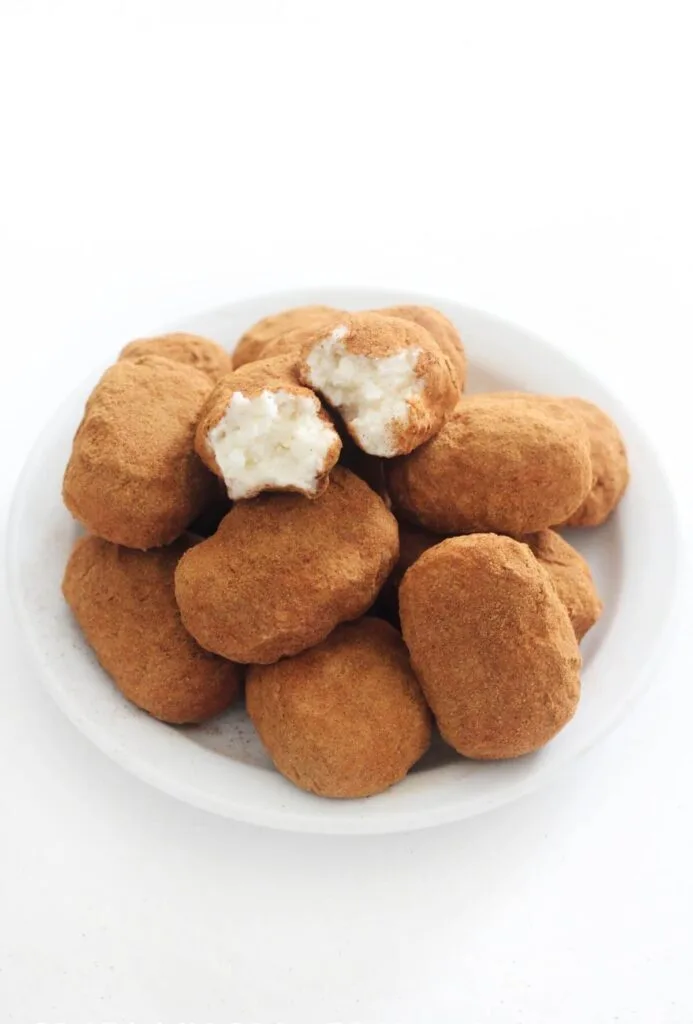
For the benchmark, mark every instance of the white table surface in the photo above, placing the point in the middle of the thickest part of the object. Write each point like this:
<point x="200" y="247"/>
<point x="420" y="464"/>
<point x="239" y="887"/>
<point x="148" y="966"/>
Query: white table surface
<point x="161" y="159"/>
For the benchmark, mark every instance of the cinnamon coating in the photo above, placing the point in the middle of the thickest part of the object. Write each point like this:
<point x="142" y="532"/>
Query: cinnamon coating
<point x="505" y="463"/>
<point x="571" y="576"/>
<point x="345" y="718"/>
<point x="190" y="349"/>
<point x="282" y="571"/>
<point x="133" y="477"/>
<point x="125" y="605"/>
<point x="492" y="645"/>
<point x="610" y="472"/>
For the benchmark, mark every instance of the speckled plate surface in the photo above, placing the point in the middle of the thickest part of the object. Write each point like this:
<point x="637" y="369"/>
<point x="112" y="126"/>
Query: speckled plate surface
<point x="221" y="766"/>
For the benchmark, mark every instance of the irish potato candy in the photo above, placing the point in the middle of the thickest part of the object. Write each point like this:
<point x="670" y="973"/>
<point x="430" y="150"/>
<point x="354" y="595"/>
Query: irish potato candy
<point x="124" y="603"/>
<point x="133" y="477"/>
<point x="283" y="570"/>
<point x="345" y="718"/>
<point x="263" y="515"/>
<point x="507" y="464"/>
<point x="492" y="645"/>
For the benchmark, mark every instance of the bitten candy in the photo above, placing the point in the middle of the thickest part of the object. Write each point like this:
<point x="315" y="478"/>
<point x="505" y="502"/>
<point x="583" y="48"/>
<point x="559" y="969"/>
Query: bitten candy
<point x="387" y="378"/>
<point x="260" y="430"/>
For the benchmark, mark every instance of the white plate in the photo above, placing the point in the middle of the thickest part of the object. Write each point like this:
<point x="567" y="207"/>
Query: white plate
<point x="221" y="766"/>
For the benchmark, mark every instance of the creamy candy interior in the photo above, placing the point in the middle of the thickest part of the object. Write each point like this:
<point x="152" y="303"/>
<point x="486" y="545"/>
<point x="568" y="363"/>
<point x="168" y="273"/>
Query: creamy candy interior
<point x="371" y="394"/>
<point x="273" y="440"/>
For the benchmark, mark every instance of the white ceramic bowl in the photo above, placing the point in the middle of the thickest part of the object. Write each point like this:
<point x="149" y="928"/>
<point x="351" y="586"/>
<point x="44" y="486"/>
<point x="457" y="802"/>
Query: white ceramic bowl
<point x="221" y="766"/>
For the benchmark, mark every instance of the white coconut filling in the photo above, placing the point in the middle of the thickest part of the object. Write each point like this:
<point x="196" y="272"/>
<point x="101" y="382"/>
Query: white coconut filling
<point x="372" y="394"/>
<point x="271" y="441"/>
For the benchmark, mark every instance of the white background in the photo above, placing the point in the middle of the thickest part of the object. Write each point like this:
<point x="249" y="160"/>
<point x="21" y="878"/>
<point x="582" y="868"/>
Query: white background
<point x="531" y="158"/>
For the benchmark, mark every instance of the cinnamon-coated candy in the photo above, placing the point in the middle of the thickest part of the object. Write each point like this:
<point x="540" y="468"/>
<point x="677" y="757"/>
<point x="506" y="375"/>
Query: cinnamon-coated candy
<point x="282" y="570"/>
<point x="571" y="577"/>
<point x="345" y="718"/>
<point x="385" y="376"/>
<point x="610" y="472"/>
<point x="190" y="349"/>
<point x="133" y="476"/>
<point x="125" y="605"/>
<point x="492" y="645"/>
<point x="505" y="463"/>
